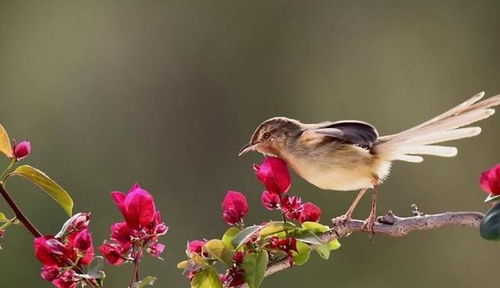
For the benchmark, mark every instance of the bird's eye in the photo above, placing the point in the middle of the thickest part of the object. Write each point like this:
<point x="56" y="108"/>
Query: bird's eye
<point x="266" y="135"/>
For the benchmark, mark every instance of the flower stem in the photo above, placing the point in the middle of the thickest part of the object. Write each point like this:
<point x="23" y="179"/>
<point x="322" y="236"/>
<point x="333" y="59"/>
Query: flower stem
<point x="19" y="214"/>
<point x="8" y="168"/>
<point x="137" y="261"/>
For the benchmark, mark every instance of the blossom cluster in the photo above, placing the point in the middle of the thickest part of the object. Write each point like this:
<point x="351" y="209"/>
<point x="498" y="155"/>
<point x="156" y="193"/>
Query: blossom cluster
<point x="140" y="230"/>
<point x="66" y="255"/>
<point x="273" y="173"/>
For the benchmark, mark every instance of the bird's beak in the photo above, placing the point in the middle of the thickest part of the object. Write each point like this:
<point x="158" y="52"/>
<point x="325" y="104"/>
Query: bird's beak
<point x="247" y="148"/>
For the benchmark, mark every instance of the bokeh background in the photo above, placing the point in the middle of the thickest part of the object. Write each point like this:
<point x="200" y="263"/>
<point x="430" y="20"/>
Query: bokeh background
<point x="164" y="93"/>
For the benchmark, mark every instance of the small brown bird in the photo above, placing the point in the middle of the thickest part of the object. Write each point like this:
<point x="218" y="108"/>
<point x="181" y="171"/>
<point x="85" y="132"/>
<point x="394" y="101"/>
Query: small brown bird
<point x="350" y="155"/>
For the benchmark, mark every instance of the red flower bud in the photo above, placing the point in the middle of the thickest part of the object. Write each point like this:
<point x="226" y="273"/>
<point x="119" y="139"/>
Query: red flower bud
<point x="273" y="173"/>
<point x="490" y="180"/>
<point x="22" y="150"/>
<point x="310" y="212"/>
<point x="234" y="207"/>
<point x="269" y="200"/>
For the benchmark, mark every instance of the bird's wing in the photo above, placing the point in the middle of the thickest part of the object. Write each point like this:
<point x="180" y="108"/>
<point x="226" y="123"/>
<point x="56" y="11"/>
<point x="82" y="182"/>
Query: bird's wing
<point x="348" y="131"/>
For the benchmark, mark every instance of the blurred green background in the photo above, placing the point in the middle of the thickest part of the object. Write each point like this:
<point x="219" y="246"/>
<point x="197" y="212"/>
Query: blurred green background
<point x="164" y="93"/>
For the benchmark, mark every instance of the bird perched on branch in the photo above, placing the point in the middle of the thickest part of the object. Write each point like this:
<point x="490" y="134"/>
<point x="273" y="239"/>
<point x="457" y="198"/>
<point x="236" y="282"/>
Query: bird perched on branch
<point x="350" y="154"/>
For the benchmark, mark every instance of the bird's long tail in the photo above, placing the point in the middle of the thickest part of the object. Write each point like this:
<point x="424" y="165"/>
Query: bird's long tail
<point x="420" y="140"/>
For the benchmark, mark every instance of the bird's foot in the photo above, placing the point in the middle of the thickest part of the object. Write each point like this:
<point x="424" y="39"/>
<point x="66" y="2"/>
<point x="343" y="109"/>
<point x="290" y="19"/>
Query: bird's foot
<point x="369" y="223"/>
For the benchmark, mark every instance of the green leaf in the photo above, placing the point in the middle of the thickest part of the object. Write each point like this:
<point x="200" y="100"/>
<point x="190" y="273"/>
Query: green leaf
<point x="48" y="185"/>
<point x="304" y="251"/>
<point x="207" y="278"/>
<point x="245" y="235"/>
<point x="5" y="146"/>
<point x="492" y="197"/>
<point x="3" y="218"/>
<point x="334" y="244"/>
<point x="275" y="227"/>
<point x="147" y="281"/>
<point x="490" y="225"/>
<point x="228" y="236"/>
<point x="218" y="250"/>
<point x="323" y="251"/>
<point x="315" y="227"/>
<point x="255" y="265"/>
<point x="309" y="237"/>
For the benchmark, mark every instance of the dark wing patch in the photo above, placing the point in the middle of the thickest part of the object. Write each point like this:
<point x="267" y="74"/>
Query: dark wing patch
<point x="355" y="132"/>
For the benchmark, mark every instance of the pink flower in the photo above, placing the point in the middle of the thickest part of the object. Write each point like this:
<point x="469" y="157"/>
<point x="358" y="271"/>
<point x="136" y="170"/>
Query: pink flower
<point x="113" y="253"/>
<point x="70" y="249"/>
<point x="286" y="245"/>
<point x="137" y="207"/>
<point x="22" y="150"/>
<point x="292" y="207"/>
<point x="234" y="207"/>
<point x="50" y="251"/>
<point x="66" y="280"/>
<point x="310" y="212"/>
<point x="490" y="180"/>
<point x="50" y="273"/>
<point x="155" y="249"/>
<point x="141" y="229"/>
<point x="273" y="173"/>
<point x="270" y="200"/>
<point x="121" y="233"/>
<point x="83" y="245"/>
<point x="195" y="246"/>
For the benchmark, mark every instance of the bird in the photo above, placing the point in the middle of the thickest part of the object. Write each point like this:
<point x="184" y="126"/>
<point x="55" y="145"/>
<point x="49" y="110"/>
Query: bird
<point x="350" y="155"/>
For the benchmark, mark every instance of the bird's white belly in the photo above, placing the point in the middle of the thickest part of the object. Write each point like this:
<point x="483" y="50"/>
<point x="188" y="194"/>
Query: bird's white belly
<point x="338" y="179"/>
<point x="340" y="176"/>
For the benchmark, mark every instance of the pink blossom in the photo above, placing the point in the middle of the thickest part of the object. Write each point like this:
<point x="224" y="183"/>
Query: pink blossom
<point x="112" y="252"/>
<point x="310" y="212"/>
<point x="490" y="180"/>
<point x="292" y="207"/>
<point x="270" y="200"/>
<point x="138" y="207"/>
<point x="234" y="207"/>
<point x="155" y="249"/>
<point x="273" y="173"/>
<point x="195" y="246"/>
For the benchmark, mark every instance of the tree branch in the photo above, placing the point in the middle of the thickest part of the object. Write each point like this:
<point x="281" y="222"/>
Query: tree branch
<point x="390" y="225"/>
<point x="19" y="214"/>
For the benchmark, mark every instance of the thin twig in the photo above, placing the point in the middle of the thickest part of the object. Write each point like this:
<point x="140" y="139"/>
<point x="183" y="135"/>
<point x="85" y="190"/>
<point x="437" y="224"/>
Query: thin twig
<point x="19" y="214"/>
<point x="390" y="225"/>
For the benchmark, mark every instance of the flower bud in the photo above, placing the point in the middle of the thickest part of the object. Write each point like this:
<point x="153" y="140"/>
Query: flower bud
<point x="22" y="150"/>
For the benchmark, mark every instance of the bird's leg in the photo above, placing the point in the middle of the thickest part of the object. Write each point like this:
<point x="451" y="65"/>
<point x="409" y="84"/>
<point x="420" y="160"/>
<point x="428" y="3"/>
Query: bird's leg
<point x="370" y="221"/>
<point x="348" y="214"/>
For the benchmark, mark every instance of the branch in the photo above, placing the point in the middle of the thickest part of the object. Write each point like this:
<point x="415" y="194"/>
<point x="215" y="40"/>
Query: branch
<point x="391" y="225"/>
<point x="19" y="214"/>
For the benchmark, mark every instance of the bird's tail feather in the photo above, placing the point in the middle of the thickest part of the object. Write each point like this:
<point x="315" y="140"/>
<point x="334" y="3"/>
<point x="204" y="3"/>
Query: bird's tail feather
<point x="419" y="140"/>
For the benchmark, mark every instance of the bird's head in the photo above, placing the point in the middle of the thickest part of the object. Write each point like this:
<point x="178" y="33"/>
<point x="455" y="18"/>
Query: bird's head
<point x="272" y="136"/>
